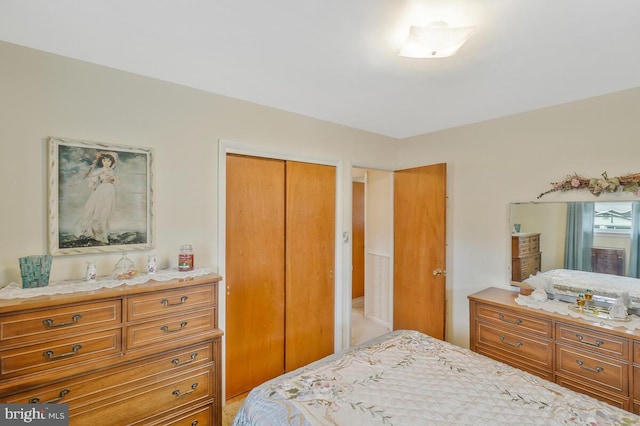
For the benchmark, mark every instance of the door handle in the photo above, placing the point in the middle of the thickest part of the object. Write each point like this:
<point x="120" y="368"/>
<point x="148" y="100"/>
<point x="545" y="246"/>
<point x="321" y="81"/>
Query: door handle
<point x="439" y="272"/>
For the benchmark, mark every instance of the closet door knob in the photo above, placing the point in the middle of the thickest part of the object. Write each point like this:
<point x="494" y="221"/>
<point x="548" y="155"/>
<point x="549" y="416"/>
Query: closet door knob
<point x="439" y="272"/>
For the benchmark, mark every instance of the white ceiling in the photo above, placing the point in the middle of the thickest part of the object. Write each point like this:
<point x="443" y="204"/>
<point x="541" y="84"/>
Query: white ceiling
<point x="336" y="60"/>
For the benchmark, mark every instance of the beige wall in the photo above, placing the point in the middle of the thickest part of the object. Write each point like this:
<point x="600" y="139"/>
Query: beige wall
<point x="493" y="163"/>
<point x="48" y="95"/>
<point x="489" y="164"/>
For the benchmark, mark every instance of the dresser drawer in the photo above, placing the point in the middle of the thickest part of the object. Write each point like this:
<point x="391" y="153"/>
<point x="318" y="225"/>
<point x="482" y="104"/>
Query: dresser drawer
<point x="530" y="264"/>
<point x="525" y="244"/>
<point x="141" y="404"/>
<point x="48" y="324"/>
<point x="170" y="329"/>
<point x="199" y="417"/>
<point x="618" y="400"/>
<point x="532" y="350"/>
<point x="524" y="267"/>
<point x="601" y="343"/>
<point x="608" y="263"/>
<point x="89" y="388"/>
<point x="636" y="382"/>
<point x="70" y="351"/>
<point x="515" y="321"/>
<point x="170" y="302"/>
<point x="546" y="372"/>
<point x="599" y="371"/>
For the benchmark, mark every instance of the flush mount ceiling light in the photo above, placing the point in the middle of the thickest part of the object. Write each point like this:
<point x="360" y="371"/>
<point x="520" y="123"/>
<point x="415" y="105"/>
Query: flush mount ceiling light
<point x="436" y="40"/>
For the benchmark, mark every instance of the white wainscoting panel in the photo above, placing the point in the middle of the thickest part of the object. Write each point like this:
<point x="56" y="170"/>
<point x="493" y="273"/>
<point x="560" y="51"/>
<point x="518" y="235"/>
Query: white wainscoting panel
<point x="378" y="296"/>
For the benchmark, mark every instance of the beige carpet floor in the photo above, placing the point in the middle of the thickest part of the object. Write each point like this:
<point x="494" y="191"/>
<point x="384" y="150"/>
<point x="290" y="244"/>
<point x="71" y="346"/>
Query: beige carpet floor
<point x="363" y="329"/>
<point x="229" y="412"/>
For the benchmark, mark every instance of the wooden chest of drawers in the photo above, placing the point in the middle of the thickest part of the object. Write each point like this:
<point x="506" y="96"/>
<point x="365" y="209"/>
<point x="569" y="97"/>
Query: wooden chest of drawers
<point x="607" y="261"/>
<point x="525" y="255"/>
<point x="603" y="362"/>
<point x="144" y="354"/>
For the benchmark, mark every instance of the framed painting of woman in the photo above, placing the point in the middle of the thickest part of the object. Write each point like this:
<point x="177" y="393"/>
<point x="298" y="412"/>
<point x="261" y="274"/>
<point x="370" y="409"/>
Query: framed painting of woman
<point x="100" y="197"/>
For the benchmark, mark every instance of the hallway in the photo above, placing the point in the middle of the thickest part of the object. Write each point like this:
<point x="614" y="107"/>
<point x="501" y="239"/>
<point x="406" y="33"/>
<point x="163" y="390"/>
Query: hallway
<point x="363" y="329"/>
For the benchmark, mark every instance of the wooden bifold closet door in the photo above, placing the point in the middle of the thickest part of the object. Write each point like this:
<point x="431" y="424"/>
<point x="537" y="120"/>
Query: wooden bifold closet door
<point x="254" y="273"/>
<point x="280" y="242"/>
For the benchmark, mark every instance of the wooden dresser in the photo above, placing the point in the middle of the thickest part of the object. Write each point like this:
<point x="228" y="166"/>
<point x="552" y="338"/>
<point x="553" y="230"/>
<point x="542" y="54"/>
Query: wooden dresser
<point x="607" y="260"/>
<point x="525" y="255"/>
<point x="146" y="354"/>
<point x="600" y="361"/>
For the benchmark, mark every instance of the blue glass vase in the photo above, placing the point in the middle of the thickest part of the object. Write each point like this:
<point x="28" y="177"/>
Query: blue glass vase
<point x="35" y="270"/>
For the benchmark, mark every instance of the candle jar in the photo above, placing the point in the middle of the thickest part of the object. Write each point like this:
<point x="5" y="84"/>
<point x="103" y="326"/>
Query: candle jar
<point x="185" y="258"/>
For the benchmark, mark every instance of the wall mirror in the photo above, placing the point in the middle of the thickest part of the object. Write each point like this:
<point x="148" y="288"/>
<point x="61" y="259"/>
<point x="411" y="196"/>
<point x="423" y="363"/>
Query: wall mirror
<point x="585" y="236"/>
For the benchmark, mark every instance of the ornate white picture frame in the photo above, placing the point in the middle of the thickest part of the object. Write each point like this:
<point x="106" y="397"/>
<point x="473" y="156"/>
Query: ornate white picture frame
<point x="100" y="197"/>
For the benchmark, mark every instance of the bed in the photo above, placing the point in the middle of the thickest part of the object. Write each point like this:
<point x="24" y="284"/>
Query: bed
<point x="571" y="283"/>
<point x="408" y="378"/>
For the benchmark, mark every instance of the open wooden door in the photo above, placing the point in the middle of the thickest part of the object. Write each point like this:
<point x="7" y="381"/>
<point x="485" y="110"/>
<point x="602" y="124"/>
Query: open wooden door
<point x="419" y="284"/>
<point x="357" y="241"/>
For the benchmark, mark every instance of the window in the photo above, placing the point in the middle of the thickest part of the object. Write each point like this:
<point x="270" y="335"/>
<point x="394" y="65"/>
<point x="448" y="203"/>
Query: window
<point x="612" y="218"/>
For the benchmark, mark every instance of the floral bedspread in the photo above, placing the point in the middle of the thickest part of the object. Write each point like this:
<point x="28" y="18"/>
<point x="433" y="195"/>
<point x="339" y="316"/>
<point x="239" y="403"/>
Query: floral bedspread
<point x="408" y="378"/>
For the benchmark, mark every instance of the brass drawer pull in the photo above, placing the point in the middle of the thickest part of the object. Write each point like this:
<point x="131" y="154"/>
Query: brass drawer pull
<point x="74" y="350"/>
<point x="49" y="322"/>
<point x="515" y="345"/>
<point x="165" y="328"/>
<point x="194" y="423"/>
<point x="518" y="321"/>
<point x="165" y="302"/>
<point x="180" y="395"/>
<point x="63" y="393"/>
<point x="598" y="369"/>
<point x="177" y="362"/>
<point x="596" y="344"/>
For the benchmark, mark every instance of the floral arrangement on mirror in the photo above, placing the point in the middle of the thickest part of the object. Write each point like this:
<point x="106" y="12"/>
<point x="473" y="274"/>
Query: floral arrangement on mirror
<point x="628" y="183"/>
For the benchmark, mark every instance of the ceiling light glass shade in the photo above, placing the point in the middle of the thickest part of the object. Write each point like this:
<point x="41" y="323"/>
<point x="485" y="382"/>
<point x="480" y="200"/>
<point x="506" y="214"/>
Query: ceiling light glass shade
<point x="436" y="40"/>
